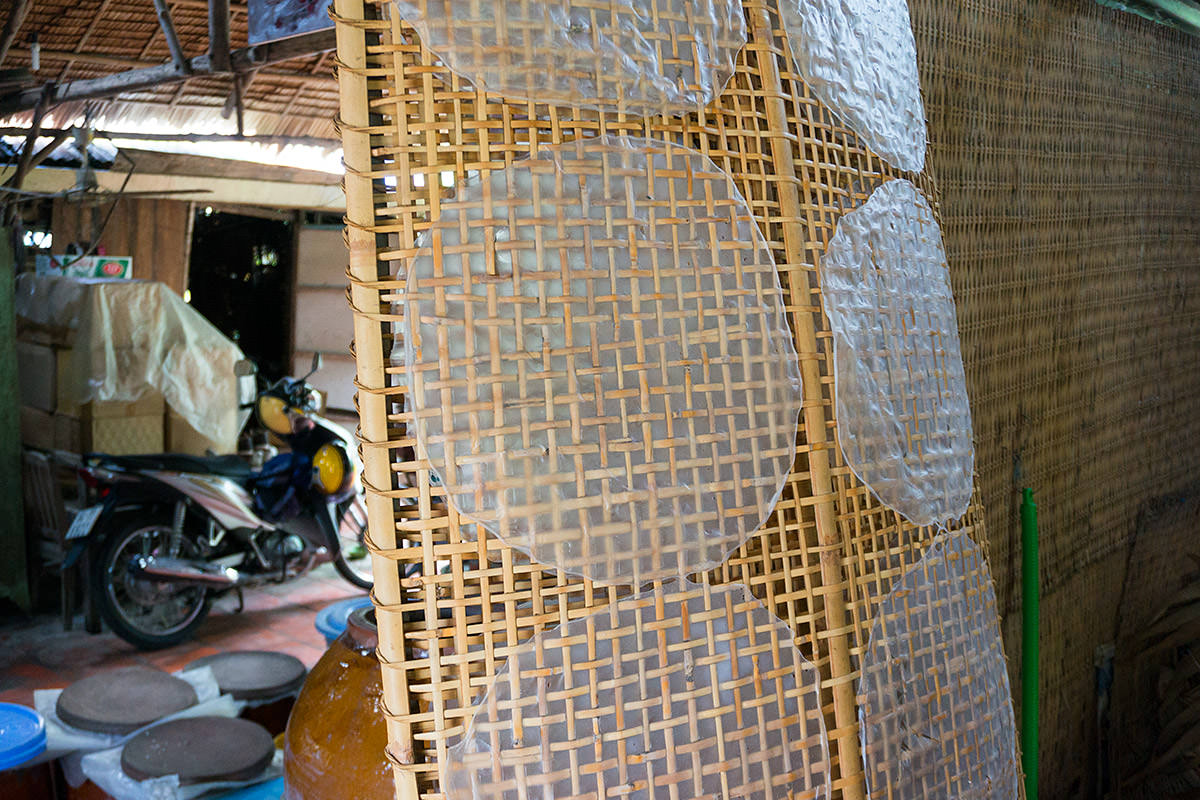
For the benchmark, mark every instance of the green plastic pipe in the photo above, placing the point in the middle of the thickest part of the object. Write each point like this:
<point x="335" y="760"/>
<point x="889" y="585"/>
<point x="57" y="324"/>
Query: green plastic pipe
<point x="1030" y="598"/>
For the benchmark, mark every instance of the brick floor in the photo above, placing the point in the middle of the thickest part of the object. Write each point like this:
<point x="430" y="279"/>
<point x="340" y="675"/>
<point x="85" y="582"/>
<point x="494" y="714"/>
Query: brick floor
<point x="35" y="652"/>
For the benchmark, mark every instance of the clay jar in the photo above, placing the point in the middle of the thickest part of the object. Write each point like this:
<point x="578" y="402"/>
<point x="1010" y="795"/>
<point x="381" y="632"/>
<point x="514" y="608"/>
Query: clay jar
<point x="336" y="736"/>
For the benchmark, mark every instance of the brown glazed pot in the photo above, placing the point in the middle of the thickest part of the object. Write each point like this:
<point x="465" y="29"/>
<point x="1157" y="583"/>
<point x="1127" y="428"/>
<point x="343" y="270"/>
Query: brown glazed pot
<point x="336" y="736"/>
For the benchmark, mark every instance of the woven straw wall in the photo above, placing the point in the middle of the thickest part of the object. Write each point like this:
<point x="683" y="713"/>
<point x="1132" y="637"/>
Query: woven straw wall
<point x="1066" y="141"/>
<point x="1060" y="138"/>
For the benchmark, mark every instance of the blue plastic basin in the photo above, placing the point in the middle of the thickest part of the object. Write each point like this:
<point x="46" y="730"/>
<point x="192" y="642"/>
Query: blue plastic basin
<point x="271" y="790"/>
<point x="331" y="620"/>
<point x="22" y="735"/>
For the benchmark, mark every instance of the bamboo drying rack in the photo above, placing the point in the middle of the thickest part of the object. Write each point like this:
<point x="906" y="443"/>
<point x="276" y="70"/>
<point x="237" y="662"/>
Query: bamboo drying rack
<point x="821" y="562"/>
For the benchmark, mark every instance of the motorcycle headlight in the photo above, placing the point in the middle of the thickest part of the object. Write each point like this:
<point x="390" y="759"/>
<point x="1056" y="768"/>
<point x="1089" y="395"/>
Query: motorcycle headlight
<point x="333" y="472"/>
<point x="273" y="414"/>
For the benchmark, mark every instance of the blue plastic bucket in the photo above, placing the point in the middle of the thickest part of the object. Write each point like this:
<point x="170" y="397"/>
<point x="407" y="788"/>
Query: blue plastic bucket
<point x="331" y="620"/>
<point x="22" y="735"/>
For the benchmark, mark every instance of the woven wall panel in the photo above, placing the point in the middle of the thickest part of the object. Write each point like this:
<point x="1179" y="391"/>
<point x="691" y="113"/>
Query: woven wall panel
<point x="454" y="605"/>
<point x="1066" y="141"/>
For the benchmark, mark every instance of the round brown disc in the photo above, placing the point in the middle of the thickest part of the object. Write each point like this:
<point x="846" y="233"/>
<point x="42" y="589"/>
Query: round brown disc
<point x="123" y="700"/>
<point x="199" y="750"/>
<point x="254" y="674"/>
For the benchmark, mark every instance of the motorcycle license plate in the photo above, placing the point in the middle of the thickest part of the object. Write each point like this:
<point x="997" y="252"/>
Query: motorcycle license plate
<point x="81" y="526"/>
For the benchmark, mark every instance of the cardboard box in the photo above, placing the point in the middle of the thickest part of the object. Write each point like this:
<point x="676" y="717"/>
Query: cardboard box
<point x="84" y="266"/>
<point x="37" y="376"/>
<point x="63" y="401"/>
<point x="37" y="428"/>
<point x="181" y="437"/>
<point x="68" y="434"/>
<point x="126" y="435"/>
<point x="118" y="436"/>
<point x="150" y="403"/>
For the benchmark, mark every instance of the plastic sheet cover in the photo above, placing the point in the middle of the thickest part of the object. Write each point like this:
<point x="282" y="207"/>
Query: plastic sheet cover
<point x="129" y="337"/>
<point x="860" y="59"/>
<point x="903" y="416"/>
<point x="599" y="361"/>
<point x="936" y="708"/>
<point x="104" y="769"/>
<point x="689" y="691"/>
<point x="648" y="57"/>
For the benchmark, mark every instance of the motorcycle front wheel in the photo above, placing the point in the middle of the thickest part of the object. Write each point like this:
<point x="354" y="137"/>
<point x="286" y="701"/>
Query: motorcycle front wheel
<point x="148" y="614"/>
<point x="353" y="562"/>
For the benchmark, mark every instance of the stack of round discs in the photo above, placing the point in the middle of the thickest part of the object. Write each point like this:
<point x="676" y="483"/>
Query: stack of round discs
<point x="254" y="674"/>
<point x="122" y="700"/>
<point x="199" y="750"/>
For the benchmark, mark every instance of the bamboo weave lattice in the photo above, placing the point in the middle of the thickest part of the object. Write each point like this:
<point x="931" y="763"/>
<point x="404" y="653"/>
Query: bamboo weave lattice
<point x="454" y="604"/>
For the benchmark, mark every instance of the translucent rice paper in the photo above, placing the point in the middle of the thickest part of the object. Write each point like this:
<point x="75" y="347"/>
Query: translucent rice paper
<point x="645" y="57"/>
<point x="904" y="420"/>
<point x="935" y="705"/>
<point x="687" y="692"/>
<point x="599" y="363"/>
<point x="860" y="60"/>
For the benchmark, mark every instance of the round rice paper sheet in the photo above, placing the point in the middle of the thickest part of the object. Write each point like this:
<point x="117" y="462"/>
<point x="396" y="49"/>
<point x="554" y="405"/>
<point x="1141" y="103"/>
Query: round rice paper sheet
<point x="936" y="711"/>
<point x="903" y="416"/>
<point x="599" y="362"/>
<point x="688" y="691"/>
<point x="860" y="59"/>
<point x="649" y="57"/>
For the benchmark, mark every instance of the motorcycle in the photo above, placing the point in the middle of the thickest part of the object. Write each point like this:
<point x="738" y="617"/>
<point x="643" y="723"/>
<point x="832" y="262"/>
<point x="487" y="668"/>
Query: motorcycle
<point x="168" y="533"/>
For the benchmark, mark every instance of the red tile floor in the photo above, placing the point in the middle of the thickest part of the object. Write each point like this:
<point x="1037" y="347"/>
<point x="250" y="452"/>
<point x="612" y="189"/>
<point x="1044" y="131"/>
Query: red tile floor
<point x="35" y="652"/>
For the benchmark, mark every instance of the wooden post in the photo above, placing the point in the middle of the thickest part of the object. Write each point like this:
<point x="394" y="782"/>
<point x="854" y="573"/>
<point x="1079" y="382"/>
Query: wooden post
<point x="14" y="582"/>
<point x="218" y="35"/>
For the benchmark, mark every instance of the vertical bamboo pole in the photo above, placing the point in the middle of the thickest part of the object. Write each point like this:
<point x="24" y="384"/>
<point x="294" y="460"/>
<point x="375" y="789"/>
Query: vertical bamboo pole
<point x="829" y="538"/>
<point x="368" y="347"/>
<point x="1030" y="620"/>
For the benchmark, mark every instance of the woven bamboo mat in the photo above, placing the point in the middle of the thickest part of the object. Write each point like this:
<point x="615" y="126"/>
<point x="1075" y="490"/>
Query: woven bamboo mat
<point x="453" y="605"/>
<point x="1066" y="139"/>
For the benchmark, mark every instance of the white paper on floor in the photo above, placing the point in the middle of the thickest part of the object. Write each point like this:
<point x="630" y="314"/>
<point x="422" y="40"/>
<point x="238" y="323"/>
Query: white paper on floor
<point x="903" y="416"/>
<point x="685" y="691"/>
<point x="652" y="57"/>
<point x="599" y="363"/>
<point x="860" y="60"/>
<point x="936" y="714"/>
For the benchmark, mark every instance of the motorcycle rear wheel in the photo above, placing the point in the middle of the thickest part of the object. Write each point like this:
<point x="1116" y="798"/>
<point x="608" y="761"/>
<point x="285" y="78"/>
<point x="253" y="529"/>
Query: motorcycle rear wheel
<point x="353" y="562"/>
<point x="150" y="615"/>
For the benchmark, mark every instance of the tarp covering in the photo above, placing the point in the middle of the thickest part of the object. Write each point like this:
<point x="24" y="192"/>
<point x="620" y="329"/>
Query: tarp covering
<point x="130" y="337"/>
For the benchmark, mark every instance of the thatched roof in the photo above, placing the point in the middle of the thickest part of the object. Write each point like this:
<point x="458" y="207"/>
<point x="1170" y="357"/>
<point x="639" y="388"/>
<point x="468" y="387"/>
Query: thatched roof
<point x="82" y="39"/>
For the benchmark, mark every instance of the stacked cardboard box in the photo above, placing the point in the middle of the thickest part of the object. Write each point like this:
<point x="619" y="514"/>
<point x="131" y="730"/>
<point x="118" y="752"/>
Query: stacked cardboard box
<point x="51" y="421"/>
<point x="125" y="339"/>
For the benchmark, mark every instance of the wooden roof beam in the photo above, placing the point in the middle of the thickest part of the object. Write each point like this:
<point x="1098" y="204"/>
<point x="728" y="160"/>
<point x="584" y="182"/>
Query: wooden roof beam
<point x="12" y="25"/>
<point x="242" y="60"/>
<point x="310" y="141"/>
<point x="168" y="29"/>
<point x="218" y="34"/>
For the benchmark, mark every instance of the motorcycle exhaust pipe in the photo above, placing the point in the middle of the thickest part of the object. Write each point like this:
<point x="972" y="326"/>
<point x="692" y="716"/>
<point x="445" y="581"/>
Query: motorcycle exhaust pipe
<point x="179" y="570"/>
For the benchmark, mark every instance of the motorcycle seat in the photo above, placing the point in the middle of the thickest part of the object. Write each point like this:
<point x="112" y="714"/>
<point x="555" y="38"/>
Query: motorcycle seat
<point x="228" y="466"/>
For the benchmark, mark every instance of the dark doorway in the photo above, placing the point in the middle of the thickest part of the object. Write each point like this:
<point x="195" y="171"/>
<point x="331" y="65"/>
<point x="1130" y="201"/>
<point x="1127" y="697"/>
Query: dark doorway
<point x="240" y="278"/>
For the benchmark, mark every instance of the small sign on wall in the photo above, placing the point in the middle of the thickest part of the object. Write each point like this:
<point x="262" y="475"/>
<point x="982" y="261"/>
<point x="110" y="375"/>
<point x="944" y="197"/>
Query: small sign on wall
<point x="85" y="266"/>
<point x="276" y="19"/>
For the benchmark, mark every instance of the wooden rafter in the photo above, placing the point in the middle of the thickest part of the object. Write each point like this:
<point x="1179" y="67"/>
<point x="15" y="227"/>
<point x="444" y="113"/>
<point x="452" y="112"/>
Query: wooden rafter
<point x="168" y="29"/>
<point x="18" y="9"/>
<point x="242" y="60"/>
<point x="218" y="34"/>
